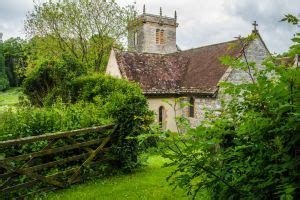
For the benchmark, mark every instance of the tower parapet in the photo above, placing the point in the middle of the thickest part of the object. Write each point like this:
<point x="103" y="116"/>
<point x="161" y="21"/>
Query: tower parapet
<point x="153" y="33"/>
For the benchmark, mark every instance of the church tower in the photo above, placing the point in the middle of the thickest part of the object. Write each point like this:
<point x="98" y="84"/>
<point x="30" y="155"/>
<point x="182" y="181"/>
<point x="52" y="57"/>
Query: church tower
<point x="153" y="34"/>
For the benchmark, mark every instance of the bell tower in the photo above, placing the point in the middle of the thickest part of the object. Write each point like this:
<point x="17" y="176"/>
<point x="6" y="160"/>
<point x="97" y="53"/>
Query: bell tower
<point x="153" y="33"/>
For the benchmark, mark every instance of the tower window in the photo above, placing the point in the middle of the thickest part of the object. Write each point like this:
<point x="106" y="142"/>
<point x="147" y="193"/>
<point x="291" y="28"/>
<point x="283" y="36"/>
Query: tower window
<point x="160" y="36"/>
<point x="161" y="117"/>
<point x="192" y="107"/>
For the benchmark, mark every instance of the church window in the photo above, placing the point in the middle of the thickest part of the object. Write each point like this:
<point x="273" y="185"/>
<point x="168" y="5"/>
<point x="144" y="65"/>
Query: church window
<point x="160" y="36"/>
<point x="192" y="107"/>
<point x="161" y="117"/>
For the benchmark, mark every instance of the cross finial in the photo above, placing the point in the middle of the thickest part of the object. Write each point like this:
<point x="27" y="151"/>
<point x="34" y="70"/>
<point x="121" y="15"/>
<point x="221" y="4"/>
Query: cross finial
<point x="255" y="25"/>
<point x="144" y="9"/>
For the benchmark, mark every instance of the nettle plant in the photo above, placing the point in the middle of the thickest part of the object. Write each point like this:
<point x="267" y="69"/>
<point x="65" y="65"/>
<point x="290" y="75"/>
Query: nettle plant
<point x="249" y="151"/>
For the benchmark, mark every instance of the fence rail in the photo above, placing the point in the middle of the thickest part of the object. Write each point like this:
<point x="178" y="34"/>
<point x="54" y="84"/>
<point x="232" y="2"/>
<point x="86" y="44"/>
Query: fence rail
<point x="51" y="161"/>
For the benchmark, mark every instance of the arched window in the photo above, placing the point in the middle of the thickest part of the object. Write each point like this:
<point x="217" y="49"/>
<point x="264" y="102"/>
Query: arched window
<point x="161" y="116"/>
<point x="192" y="107"/>
<point x="160" y="36"/>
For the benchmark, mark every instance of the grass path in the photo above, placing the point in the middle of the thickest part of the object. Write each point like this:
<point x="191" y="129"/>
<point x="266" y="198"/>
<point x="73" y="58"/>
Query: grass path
<point x="145" y="184"/>
<point x="9" y="97"/>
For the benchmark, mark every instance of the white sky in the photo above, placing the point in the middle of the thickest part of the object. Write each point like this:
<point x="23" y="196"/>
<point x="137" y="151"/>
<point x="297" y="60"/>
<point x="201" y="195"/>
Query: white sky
<point x="201" y="22"/>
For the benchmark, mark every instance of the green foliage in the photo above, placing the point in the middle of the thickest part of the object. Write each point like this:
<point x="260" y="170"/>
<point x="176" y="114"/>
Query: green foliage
<point x="29" y="121"/>
<point x="122" y="101"/>
<point x="291" y="19"/>
<point x="248" y="149"/>
<point x="86" y="30"/>
<point x="49" y="79"/>
<point x="295" y="48"/>
<point x="15" y="50"/>
<point x="4" y="84"/>
<point x="104" y="97"/>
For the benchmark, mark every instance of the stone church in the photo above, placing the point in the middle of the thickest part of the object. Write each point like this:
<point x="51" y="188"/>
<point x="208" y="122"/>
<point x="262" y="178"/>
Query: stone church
<point x="166" y="73"/>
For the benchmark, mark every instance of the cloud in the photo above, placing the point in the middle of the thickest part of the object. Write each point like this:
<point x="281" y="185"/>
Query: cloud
<point x="201" y="22"/>
<point x="12" y="16"/>
<point x="205" y="22"/>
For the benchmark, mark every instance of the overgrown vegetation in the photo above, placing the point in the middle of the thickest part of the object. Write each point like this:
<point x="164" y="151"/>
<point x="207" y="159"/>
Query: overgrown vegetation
<point x="248" y="149"/>
<point x="93" y="100"/>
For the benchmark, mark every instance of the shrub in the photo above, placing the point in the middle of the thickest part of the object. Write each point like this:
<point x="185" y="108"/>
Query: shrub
<point x="123" y="102"/>
<point x="49" y="80"/>
<point x="93" y="100"/>
<point x="20" y="122"/>
<point x="249" y="151"/>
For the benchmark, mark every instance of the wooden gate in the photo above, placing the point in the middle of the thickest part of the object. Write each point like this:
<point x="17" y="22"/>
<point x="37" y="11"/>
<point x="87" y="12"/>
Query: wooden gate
<point x="51" y="161"/>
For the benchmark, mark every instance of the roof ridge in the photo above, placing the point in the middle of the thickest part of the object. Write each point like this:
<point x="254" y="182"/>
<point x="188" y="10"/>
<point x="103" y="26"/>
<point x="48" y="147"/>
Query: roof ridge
<point x="205" y="46"/>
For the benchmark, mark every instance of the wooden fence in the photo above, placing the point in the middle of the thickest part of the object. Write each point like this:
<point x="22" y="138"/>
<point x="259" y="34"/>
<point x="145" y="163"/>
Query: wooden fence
<point x="51" y="161"/>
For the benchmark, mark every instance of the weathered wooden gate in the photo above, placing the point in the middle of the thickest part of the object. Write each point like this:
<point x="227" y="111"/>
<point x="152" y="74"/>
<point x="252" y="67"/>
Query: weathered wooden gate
<point x="59" y="160"/>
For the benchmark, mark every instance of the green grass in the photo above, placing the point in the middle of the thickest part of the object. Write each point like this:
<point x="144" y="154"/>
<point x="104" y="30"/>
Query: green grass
<point x="147" y="183"/>
<point x="10" y="97"/>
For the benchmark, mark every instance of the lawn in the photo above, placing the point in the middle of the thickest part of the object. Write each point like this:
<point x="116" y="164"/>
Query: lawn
<point x="147" y="183"/>
<point x="10" y="97"/>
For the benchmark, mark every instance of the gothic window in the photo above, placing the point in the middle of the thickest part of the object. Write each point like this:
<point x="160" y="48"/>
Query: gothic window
<point x="160" y="36"/>
<point x="161" y="116"/>
<point x="192" y="107"/>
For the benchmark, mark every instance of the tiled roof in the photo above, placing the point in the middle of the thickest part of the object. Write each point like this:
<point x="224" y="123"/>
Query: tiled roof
<point x="196" y="71"/>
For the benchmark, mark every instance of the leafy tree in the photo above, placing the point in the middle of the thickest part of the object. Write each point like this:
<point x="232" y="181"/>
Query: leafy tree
<point x="295" y="48"/>
<point x="50" y="78"/>
<point x="84" y="29"/>
<point x="15" y="60"/>
<point x="4" y="84"/>
<point x="249" y="149"/>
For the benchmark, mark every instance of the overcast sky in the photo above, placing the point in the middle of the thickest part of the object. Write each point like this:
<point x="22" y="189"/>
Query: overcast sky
<point x="201" y="22"/>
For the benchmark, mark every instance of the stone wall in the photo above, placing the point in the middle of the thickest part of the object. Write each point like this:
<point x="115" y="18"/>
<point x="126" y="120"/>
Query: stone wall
<point x="169" y="123"/>
<point x="256" y="52"/>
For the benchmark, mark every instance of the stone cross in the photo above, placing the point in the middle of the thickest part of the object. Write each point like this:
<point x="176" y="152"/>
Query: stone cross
<point x="255" y="25"/>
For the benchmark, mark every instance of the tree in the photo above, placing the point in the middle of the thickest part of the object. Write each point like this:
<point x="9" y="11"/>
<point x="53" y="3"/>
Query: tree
<point x="4" y="84"/>
<point x="249" y="149"/>
<point x="84" y="29"/>
<point x="15" y="60"/>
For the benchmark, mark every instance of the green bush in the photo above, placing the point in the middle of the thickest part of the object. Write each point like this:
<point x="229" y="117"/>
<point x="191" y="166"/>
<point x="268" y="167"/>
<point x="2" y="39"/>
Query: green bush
<point x="17" y="122"/>
<point x="93" y="100"/>
<point x="123" y="102"/>
<point x="49" y="80"/>
<point x="249" y="151"/>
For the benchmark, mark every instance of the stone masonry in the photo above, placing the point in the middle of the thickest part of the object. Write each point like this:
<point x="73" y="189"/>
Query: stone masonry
<point x="142" y="37"/>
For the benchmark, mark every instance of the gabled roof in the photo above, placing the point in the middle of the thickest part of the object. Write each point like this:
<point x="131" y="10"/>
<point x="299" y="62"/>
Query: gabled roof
<point x="194" y="71"/>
